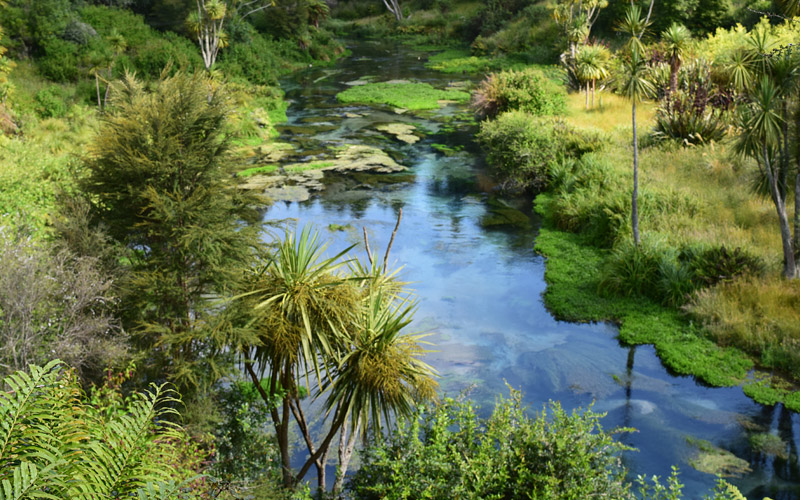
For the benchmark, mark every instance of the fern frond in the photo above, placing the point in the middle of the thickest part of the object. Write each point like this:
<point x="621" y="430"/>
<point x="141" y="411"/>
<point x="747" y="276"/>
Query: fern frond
<point x="19" y="404"/>
<point x="170" y="490"/>
<point x="27" y="483"/>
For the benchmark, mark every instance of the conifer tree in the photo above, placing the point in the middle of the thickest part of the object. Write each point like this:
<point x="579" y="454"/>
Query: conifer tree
<point x="158" y="176"/>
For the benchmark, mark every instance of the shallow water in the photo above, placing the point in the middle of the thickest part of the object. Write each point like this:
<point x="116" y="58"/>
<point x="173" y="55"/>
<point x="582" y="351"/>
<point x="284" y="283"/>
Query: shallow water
<point x="480" y="289"/>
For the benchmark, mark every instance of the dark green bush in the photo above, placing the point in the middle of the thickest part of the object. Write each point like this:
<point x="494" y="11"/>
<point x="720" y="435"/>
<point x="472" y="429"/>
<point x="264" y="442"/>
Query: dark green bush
<point x="633" y="270"/>
<point x="60" y="61"/>
<point x="522" y="148"/>
<point x="527" y="90"/>
<point x="51" y="102"/>
<point x="151" y="59"/>
<point x="716" y="264"/>
<point x="676" y="283"/>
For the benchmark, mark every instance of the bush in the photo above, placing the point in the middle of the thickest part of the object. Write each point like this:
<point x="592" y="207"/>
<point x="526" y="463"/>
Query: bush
<point x="698" y="112"/>
<point x="716" y="264"/>
<point x="452" y="453"/>
<point x="60" y="61"/>
<point x="527" y="90"/>
<point x="522" y="148"/>
<point x="51" y="102"/>
<point x="634" y="270"/>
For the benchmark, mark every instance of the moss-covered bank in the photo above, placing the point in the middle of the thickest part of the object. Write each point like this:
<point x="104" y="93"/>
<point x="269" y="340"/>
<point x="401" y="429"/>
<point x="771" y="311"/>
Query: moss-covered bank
<point x="573" y="274"/>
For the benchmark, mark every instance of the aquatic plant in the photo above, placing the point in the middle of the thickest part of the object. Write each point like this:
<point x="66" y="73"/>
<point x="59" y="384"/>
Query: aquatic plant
<point x="413" y="96"/>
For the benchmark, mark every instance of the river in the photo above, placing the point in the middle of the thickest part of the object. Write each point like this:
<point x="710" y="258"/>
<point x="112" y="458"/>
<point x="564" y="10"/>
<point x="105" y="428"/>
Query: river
<point x="479" y="288"/>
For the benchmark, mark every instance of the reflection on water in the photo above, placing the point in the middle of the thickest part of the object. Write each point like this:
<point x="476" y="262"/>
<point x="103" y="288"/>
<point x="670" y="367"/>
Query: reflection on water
<point x="480" y="292"/>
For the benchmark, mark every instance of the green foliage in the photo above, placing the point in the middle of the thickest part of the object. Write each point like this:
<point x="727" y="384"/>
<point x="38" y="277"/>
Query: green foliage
<point x="159" y="179"/>
<point x="698" y="112"/>
<point x="56" y="444"/>
<point x="245" y="451"/>
<point x="51" y="102"/>
<point x="529" y="90"/>
<point x="60" y="60"/>
<point x="712" y="265"/>
<point x="633" y="270"/>
<point x="450" y="452"/>
<point x="414" y="96"/>
<point x="522" y="148"/>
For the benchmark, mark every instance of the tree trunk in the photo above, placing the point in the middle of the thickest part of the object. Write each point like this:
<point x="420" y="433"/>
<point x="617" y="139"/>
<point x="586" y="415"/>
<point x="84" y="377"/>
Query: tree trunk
<point x="797" y="218"/>
<point x="97" y="87"/>
<point x="346" y="446"/>
<point x="783" y="183"/>
<point x="281" y="428"/>
<point x="394" y="8"/>
<point x="635" y="197"/>
<point x="594" y="86"/>
<point x="674" y="69"/>
<point x="789" y="267"/>
<point x="587" y="95"/>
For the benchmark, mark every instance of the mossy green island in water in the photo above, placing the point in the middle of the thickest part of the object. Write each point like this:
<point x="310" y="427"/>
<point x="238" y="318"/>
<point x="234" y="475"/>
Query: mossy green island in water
<point x="413" y="96"/>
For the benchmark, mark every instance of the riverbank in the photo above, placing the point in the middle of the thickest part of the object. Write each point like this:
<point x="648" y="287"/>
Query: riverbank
<point x="695" y="198"/>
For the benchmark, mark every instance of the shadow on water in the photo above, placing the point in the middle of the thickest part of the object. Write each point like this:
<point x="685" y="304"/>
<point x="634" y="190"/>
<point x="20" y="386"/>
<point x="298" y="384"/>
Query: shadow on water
<point x="480" y="285"/>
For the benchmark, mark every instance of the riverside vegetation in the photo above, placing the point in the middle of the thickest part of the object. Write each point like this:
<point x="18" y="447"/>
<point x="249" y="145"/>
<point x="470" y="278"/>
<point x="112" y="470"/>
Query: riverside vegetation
<point x="130" y="252"/>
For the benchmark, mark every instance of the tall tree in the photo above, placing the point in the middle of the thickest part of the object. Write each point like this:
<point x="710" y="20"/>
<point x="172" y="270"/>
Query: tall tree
<point x="761" y="126"/>
<point x="333" y="331"/>
<point x="636" y="86"/>
<point x="208" y="22"/>
<point x="591" y="64"/>
<point x="157" y="173"/>
<point x="576" y="18"/>
<point x="676" y="40"/>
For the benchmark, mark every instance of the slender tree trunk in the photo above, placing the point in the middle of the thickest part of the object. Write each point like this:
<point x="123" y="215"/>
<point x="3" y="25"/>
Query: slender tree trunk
<point x="797" y="219"/>
<point x="281" y="427"/>
<point x="346" y="445"/>
<point x="594" y="86"/>
<point x="635" y="197"/>
<point x="97" y="87"/>
<point x="587" y="95"/>
<point x="789" y="267"/>
<point x="674" y="68"/>
<point x="783" y="184"/>
<point x="108" y="89"/>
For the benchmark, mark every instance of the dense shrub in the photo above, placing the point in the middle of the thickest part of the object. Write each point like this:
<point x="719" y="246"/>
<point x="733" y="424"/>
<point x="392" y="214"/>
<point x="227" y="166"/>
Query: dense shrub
<point x="711" y="265"/>
<point x="633" y="270"/>
<point x="522" y="147"/>
<point x="452" y="453"/>
<point x="51" y="102"/>
<point x="527" y="90"/>
<point x="60" y="61"/>
<point x="59" y="443"/>
<point x="699" y="111"/>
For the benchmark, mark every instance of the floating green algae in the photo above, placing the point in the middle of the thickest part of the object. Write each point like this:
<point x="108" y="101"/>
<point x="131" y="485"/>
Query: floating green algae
<point x="413" y="96"/>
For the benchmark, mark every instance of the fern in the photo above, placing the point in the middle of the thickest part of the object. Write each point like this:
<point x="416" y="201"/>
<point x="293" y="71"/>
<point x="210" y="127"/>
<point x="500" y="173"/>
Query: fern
<point x="53" y="445"/>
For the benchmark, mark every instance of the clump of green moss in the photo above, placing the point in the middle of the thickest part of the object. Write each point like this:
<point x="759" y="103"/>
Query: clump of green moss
<point x="713" y="460"/>
<point x="769" y="444"/>
<point x="264" y="169"/>
<point x="413" y="96"/>
<point x="447" y="150"/>
<point x="501" y="214"/>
